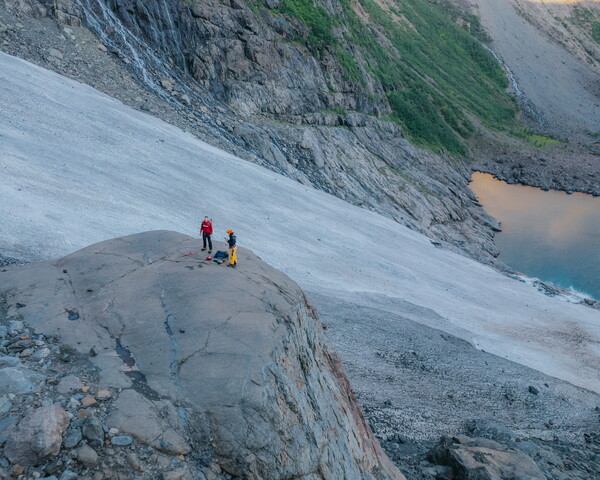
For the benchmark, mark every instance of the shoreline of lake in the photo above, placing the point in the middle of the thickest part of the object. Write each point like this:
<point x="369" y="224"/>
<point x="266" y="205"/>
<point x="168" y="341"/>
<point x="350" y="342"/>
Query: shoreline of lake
<point x="539" y="225"/>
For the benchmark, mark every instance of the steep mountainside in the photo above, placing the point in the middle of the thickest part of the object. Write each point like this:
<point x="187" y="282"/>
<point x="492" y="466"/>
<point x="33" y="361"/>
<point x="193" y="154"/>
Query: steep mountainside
<point x="257" y="79"/>
<point x="555" y="59"/>
<point x="552" y="51"/>
<point x="413" y="62"/>
<point x="329" y="93"/>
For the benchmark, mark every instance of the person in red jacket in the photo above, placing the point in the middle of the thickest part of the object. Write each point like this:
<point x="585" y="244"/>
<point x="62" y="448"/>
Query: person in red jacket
<point x="206" y="230"/>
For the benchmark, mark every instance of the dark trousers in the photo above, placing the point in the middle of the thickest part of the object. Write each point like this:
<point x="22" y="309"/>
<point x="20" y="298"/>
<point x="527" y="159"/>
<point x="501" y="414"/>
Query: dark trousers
<point x="207" y="236"/>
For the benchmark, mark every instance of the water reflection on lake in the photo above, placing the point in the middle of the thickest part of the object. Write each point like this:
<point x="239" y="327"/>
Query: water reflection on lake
<point x="549" y="235"/>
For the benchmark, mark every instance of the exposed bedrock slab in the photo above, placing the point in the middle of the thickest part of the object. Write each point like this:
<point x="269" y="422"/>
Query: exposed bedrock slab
<point x="227" y="362"/>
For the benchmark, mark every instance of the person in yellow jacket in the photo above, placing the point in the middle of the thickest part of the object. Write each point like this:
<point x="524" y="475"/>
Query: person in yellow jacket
<point x="232" y="248"/>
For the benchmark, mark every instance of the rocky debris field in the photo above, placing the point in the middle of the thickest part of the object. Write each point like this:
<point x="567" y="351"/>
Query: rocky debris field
<point x="6" y="261"/>
<point x="443" y="409"/>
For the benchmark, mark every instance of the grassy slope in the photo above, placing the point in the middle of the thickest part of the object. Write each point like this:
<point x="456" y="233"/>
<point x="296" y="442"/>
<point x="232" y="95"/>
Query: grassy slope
<point x="426" y="56"/>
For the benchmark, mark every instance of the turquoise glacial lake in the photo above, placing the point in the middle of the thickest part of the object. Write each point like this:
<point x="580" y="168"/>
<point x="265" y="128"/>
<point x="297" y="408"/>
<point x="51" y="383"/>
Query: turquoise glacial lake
<point x="550" y="235"/>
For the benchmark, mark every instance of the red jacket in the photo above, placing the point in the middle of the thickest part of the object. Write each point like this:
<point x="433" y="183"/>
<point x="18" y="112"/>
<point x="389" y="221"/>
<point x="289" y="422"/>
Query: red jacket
<point x="206" y="227"/>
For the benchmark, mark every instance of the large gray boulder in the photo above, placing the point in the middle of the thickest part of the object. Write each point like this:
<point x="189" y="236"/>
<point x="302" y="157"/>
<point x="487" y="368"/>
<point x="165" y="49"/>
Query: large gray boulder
<point x="229" y="363"/>
<point x="484" y="459"/>
<point x="38" y="436"/>
<point x="19" y="380"/>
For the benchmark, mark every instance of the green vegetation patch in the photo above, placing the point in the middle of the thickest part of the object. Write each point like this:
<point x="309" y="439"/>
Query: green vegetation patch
<point x="435" y="71"/>
<point x="540" y="141"/>
<point x="427" y="56"/>
<point x="595" y="31"/>
<point x="319" y="22"/>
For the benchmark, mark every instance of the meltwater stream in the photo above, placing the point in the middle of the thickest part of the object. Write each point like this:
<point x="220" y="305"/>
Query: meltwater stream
<point x="549" y="235"/>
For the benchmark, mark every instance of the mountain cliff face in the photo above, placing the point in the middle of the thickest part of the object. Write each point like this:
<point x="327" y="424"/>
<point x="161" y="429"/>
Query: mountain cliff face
<point x="416" y="63"/>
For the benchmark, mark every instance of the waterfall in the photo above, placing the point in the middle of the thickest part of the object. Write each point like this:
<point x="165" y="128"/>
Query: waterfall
<point x="147" y="58"/>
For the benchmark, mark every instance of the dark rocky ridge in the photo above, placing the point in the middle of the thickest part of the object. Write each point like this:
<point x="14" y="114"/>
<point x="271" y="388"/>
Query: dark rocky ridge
<point x="560" y="168"/>
<point x="354" y="156"/>
<point x="215" y="369"/>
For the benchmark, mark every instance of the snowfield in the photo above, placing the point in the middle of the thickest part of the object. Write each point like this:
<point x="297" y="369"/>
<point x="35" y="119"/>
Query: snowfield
<point x="78" y="167"/>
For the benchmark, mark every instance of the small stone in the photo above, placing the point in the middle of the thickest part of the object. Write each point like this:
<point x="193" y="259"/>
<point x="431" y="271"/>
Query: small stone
<point x="38" y="436"/>
<point x="92" y="431"/>
<point x="103" y="394"/>
<point x="17" y="470"/>
<point x="166" y="84"/>
<point x="53" y="52"/>
<point x="113" y="431"/>
<point x="174" y="474"/>
<point x="3" y="331"/>
<point x="121" y="440"/>
<point x="209" y="474"/>
<point x="88" y="401"/>
<point x="19" y="380"/>
<point x="41" y="353"/>
<point x="15" y="327"/>
<point x="134" y="461"/>
<point x="26" y="353"/>
<point x="533" y="390"/>
<point x="72" y="438"/>
<point x="102" y="47"/>
<point x="186" y="100"/>
<point x="93" y="351"/>
<point x="8" y="361"/>
<point x="98" y="476"/>
<point x="85" y="388"/>
<point x="68" y="384"/>
<point x="69" y="475"/>
<point x="7" y="425"/>
<point x="87" y="456"/>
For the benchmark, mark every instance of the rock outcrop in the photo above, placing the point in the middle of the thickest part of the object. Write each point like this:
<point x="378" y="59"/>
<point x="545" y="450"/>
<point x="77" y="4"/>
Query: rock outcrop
<point x="218" y="365"/>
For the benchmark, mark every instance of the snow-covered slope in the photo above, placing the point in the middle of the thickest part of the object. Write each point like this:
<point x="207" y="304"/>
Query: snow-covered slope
<point x="77" y="167"/>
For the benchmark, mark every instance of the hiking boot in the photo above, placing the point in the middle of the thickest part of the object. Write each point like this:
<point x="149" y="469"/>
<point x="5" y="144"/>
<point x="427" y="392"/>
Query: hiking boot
<point x="203" y="249"/>
<point x="210" y="251"/>
<point x="231" y="265"/>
